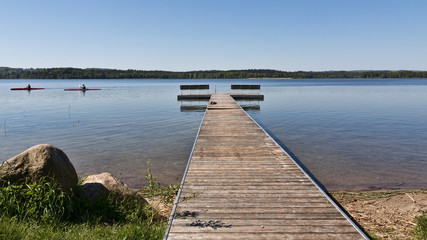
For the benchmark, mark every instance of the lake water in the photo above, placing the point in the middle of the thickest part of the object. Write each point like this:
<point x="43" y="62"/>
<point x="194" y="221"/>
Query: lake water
<point x="350" y="133"/>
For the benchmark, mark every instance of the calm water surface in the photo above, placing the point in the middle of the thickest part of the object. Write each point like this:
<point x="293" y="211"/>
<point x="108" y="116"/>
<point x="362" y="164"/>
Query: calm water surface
<point x="351" y="134"/>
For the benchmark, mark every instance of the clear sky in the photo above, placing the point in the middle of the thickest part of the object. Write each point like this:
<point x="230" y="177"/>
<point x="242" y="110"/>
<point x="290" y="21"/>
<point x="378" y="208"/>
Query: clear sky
<point x="182" y="35"/>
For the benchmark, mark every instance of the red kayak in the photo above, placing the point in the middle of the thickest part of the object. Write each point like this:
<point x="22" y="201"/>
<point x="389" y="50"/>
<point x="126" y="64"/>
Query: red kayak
<point x="28" y="89"/>
<point x="81" y="89"/>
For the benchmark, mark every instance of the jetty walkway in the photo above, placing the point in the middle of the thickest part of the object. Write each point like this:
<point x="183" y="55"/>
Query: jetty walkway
<point x="240" y="184"/>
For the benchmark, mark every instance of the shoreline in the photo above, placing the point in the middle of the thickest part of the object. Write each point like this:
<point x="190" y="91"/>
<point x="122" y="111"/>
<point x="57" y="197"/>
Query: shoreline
<point x="383" y="213"/>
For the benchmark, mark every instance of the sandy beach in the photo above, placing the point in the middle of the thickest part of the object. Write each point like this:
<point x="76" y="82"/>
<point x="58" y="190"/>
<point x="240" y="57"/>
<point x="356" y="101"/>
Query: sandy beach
<point x="384" y="213"/>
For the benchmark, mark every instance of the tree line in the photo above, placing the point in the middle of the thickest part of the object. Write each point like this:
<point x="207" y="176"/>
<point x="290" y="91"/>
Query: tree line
<point x="99" y="73"/>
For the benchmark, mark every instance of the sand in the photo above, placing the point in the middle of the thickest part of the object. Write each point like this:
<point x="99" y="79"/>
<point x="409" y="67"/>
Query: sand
<point x="387" y="214"/>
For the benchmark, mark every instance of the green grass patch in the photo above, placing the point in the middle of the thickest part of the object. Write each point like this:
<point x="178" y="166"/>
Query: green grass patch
<point x="420" y="231"/>
<point x="43" y="211"/>
<point x="12" y="228"/>
<point x="39" y="202"/>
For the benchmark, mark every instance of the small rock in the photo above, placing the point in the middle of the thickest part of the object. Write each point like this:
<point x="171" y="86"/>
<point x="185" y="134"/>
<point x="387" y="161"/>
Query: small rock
<point x="104" y="184"/>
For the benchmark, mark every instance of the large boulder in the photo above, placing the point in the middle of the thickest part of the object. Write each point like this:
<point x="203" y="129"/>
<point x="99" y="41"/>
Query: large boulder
<point x="105" y="184"/>
<point x="42" y="160"/>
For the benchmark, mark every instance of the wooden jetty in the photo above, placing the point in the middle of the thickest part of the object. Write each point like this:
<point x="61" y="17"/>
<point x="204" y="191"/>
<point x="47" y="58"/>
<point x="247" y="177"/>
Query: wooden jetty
<point x="240" y="184"/>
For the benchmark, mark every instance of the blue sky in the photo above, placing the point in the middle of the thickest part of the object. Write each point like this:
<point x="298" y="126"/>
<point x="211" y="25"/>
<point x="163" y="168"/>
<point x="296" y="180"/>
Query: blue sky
<point x="289" y="35"/>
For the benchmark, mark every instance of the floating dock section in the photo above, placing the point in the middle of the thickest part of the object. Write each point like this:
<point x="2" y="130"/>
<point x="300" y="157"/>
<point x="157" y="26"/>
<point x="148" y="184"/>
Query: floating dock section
<point x="240" y="184"/>
<point x="236" y="96"/>
<point x="207" y="96"/>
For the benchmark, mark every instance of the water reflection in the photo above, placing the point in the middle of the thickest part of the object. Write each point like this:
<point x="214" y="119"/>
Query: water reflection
<point x="193" y="105"/>
<point x="250" y="105"/>
<point x="195" y="108"/>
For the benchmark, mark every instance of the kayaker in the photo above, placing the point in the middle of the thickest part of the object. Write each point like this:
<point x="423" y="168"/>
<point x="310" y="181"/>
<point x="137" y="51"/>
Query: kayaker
<point x="83" y="87"/>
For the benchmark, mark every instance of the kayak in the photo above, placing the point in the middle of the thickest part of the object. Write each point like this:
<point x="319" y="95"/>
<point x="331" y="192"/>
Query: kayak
<point x="81" y="89"/>
<point x="28" y="89"/>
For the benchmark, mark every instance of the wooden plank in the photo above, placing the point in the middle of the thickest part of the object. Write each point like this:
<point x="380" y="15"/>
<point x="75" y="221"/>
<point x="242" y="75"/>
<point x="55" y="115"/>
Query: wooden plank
<point x="193" y="97"/>
<point x="247" y="87"/>
<point x="237" y="171"/>
<point x="242" y="196"/>
<point x="253" y="182"/>
<point x="248" y="158"/>
<point x="263" y="236"/>
<point x="253" y="202"/>
<point x="194" y="87"/>
<point x="207" y="162"/>
<point x="267" y="228"/>
<point x="253" y="187"/>
<point x="252" y="207"/>
<point x="273" y="222"/>
<point x="242" y="176"/>
<point x="260" y="216"/>
<point x="240" y="184"/>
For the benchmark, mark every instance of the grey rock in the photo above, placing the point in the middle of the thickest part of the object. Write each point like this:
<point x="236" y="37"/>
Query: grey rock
<point x="42" y="160"/>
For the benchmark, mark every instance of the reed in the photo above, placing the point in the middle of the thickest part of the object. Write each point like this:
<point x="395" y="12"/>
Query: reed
<point x="167" y="194"/>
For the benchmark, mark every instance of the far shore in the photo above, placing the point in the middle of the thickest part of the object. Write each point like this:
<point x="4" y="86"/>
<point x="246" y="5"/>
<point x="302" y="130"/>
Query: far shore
<point x="270" y="78"/>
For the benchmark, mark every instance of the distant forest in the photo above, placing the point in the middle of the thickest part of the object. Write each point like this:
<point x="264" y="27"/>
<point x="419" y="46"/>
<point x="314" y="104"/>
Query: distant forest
<point x="99" y="73"/>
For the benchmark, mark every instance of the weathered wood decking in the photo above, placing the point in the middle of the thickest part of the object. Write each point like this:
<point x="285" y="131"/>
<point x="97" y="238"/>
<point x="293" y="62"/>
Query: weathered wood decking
<point x="241" y="185"/>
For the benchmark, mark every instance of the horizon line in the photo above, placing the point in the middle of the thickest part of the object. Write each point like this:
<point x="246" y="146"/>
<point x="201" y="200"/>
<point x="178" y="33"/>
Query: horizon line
<point x="183" y="71"/>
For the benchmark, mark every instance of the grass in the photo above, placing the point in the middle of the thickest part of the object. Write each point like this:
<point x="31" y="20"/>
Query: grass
<point x="370" y="195"/>
<point x="39" y="202"/>
<point x="420" y="231"/>
<point x="190" y="196"/>
<point x="42" y="211"/>
<point x="11" y="228"/>
<point x="154" y="189"/>
<point x="373" y="236"/>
